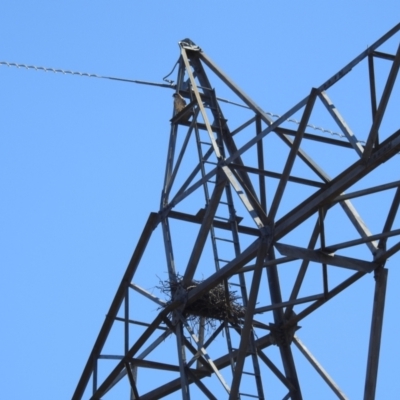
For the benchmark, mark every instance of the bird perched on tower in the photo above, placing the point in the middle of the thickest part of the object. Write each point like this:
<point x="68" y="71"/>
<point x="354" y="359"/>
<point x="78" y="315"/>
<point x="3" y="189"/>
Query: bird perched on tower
<point x="179" y="102"/>
<point x="179" y="105"/>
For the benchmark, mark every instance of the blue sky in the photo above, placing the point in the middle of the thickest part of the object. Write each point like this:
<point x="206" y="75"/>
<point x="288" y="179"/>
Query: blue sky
<point x="82" y="162"/>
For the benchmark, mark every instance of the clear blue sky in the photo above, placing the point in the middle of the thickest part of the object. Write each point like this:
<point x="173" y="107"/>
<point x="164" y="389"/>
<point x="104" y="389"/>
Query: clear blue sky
<point x="82" y="162"/>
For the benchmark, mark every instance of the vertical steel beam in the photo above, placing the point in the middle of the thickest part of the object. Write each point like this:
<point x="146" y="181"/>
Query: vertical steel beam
<point x="302" y="271"/>
<point x="243" y="290"/>
<point x="376" y="333"/>
<point x="292" y="154"/>
<point x="372" y="86"/>
<point x="205" y="228"/>
<point x="380" y="112"/>
<point x="321" y="217"/>
<point x="390" y="218"/>
<point x="182" y="362"/>
<point x="132" y="381"/>
<point x="248" y="322"/>
<point x="171" y="146"/>
<point x="170" y="165"/>
<point x="126" y="320"/>
<point x="172" y="177"/>
<point x="94" y="375"/>
<point x="284" y="349"/>
<point x="260" y="156"/>
<point x="202" y="322"/>
<point x="290" y="371"/>
<point x="169" y="254"/>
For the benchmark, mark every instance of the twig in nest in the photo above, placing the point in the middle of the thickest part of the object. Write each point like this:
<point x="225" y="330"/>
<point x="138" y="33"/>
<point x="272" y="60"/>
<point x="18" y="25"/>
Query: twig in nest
<point x="217" y="304"/>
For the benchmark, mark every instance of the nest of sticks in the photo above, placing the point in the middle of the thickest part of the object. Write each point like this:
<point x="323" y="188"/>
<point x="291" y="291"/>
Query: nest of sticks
<point x="217" y="304"/>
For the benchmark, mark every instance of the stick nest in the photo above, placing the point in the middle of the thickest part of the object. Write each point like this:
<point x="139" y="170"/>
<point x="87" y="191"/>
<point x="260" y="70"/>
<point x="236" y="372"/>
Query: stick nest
<point x="216" y="304"/>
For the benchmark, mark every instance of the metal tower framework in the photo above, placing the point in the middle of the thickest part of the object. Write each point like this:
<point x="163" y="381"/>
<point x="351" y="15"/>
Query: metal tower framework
<point x="244" y="234"/>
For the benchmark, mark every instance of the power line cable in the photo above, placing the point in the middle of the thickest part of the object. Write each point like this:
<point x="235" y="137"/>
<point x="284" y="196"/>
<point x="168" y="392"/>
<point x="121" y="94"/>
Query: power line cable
<point x="85" y="74"/>
<point x="169" y="85"/>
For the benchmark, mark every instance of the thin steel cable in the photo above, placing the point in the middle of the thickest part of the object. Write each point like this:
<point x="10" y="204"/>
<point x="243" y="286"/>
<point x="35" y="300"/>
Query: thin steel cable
<point x="169" y="86"/>
<point x="68" y="72"/>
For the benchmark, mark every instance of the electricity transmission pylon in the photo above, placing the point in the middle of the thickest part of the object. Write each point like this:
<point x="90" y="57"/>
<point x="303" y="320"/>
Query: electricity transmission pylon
<point x="248" y="210"/>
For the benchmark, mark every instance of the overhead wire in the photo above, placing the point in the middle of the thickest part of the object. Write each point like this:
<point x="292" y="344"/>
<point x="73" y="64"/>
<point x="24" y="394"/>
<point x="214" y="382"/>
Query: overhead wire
<point x="85" y="74"/>
<point x="169" y="85"/>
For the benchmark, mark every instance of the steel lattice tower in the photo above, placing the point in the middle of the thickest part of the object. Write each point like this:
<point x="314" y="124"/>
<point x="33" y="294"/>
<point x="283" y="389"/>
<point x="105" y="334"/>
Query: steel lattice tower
<point x="244" y="207"/>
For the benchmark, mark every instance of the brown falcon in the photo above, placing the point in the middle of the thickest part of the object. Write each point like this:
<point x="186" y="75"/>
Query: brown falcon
<point x="179" y="105"/>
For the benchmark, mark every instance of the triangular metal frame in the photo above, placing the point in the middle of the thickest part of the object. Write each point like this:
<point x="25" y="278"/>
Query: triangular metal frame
<point x="229" y="182"/>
